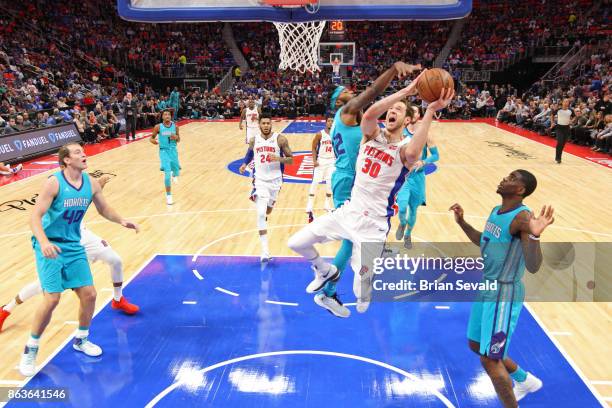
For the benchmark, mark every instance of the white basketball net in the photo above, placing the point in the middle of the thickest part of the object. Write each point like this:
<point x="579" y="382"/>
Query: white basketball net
<point x="300" y="45"/>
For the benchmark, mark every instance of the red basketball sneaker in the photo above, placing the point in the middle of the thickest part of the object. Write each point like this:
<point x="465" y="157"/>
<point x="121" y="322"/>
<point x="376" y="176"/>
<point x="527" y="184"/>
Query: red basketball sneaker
<point x="3" y="315"/>
<point x="125" y="306"/>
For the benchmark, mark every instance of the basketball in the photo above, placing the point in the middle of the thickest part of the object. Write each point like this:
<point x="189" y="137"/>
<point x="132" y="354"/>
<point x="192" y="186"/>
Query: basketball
<point x="432" y="82"/>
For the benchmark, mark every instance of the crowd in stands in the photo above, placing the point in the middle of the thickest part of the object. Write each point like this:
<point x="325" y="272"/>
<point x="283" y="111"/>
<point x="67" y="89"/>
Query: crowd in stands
<point x="498" y="30"/>
<point x="587" y="90"/>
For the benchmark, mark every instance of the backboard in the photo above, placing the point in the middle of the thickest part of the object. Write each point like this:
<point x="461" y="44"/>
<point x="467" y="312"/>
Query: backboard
<point x="252" y="10"/>
<point x="344" y="52"/>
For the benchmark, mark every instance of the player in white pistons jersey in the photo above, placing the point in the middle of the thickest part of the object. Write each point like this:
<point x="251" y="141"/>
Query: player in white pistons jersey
<point x="324" y="162"/>
<point x="270" y="152"/>
<point x="382" y="165"/>
<point x="96" y="249"/>
<point x="251" y="115"/>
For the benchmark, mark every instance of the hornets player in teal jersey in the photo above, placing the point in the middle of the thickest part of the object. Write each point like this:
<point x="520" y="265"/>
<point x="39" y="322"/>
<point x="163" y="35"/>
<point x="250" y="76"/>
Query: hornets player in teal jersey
<point x="412" y="194"/>
<point x="346" y="140"/>
<point x="509" y="243"/>
<point x="61" y="261"/>
<point x="168" y="133"/>
<point x="174" y="102"/>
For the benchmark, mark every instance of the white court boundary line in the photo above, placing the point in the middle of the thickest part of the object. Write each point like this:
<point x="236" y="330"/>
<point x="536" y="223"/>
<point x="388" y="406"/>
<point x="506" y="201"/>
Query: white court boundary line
<point x="397" y="370"/>
<point x="69" y="338"/>
<point x="276" y="302"/>
<point x="197" y="274"/>
<point x="235" y="234"/>
<point x="567" y="357"/>
<point x="228" y="292"/>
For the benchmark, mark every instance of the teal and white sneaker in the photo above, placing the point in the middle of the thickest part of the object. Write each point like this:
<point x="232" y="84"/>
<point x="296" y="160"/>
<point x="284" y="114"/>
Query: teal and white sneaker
<point x="27" y="365"/>
<point x="332" y="304"/>
<point x="531" y="384"/>
<point x="87" y="347"/>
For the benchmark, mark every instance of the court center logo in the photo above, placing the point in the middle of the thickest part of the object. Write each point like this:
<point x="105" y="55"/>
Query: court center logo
<point x="302" y="168"/>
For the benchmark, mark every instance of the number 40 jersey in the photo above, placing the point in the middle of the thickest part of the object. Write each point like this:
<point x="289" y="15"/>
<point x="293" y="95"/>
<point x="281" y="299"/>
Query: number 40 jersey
<point x="62" y="221"/>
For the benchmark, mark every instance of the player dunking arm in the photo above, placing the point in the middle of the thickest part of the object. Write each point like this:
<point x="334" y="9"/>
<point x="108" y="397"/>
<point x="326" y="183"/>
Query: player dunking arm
<point x="270" y="152"/>
<point x="346" y="138"/>
<point x="251" y="115"/>
<point x="412" y="194"/>
<point x="169" y="136"/>
<point x="324" y="164"/>
<point x="383" y="163"/>
<point x="61" y="261"/>
<point x="96" y="249"/>
<point x="509" y="243"/>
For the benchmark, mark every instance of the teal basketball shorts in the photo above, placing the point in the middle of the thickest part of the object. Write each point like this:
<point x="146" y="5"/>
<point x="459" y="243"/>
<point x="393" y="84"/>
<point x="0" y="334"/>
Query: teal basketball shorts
<point x="70" y="270"/>
<point x="342" y="185"/>
<point x="492" y="324"/>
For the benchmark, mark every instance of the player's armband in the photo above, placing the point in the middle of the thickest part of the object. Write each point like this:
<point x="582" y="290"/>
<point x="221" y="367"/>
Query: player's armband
<point x="248" y="157"/>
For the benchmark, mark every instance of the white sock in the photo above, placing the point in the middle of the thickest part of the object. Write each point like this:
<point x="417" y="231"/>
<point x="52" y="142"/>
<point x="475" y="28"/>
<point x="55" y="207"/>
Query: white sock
<point x="113" y="260"/>
<point x="117" y="293"/>
<point x="33" y="341"/>
<point x="264" y="243"/>
<point x="10" y="305"/>
<point x="320" y="264"/>
<point x="311" y="198"/>
<point x="327" y="202"/>
<point x="82" y="333"/>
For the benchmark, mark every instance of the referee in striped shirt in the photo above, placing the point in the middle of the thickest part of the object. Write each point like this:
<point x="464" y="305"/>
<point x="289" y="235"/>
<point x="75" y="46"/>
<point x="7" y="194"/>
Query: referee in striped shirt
<point x="561" y="127"/>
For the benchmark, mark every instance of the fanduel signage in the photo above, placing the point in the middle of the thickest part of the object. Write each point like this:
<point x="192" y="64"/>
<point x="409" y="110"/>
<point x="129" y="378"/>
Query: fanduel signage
<point x="37" y="142"/>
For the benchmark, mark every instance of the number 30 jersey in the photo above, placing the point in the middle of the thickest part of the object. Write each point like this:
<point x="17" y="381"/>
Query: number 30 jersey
<point x="380" y="175"/>
<point x="62" y="221"/>
<point x="265" y="169"/>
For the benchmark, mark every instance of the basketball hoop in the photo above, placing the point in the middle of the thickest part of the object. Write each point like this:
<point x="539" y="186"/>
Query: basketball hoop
<point x="299" y="42"/>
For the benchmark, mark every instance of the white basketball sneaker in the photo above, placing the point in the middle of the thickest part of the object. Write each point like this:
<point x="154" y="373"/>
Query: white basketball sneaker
<point x="87" y="347"/>
<point x="17" y="168"/>
<point x="27" y="365"/>
<point x="332" y="304"/>
<point x="362" y="305"/>
<point x="531" y="384"/>
<point x="169" y="199"/>
<point x="322" y="278"/>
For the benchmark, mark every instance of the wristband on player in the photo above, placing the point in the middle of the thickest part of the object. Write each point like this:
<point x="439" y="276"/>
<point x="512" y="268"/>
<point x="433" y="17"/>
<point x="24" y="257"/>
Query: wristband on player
<point x="533" y="237"/>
